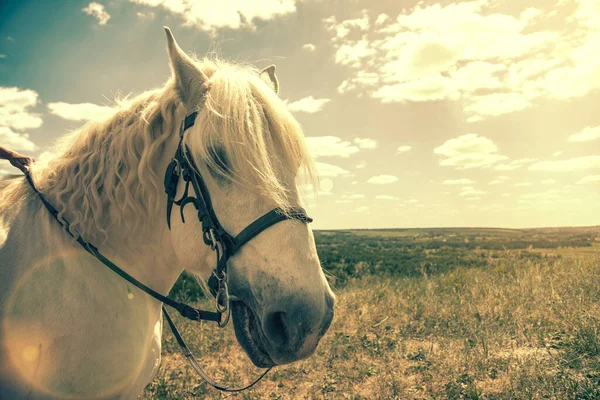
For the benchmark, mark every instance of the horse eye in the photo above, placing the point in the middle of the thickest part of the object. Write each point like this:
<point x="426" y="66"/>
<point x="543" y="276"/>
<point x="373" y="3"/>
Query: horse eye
<point x="219" y="157"/>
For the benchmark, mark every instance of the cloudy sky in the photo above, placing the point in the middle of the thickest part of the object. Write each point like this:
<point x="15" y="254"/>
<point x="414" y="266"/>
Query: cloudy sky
<point x="419" y="114"/>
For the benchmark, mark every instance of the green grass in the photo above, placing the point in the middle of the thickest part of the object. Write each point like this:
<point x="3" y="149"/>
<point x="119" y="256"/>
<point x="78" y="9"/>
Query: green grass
<point x="514" y="327"/>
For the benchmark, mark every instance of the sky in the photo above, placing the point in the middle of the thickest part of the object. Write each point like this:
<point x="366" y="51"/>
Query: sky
<point x="418" y="114"/>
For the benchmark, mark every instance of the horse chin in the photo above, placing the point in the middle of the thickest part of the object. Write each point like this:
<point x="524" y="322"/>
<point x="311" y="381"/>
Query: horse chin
<point x="249" y="335"/>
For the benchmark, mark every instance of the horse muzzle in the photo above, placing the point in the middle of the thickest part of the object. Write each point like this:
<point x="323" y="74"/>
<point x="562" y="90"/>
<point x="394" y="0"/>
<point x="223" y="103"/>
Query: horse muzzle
<point x="287" y="331"/>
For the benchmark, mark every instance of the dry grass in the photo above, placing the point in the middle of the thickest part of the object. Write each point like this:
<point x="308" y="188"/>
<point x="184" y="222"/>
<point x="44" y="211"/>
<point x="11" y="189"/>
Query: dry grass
<point x="515" y="330"/>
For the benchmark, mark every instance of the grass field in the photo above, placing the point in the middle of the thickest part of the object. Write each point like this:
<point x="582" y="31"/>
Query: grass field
<point x="480" y="318"/>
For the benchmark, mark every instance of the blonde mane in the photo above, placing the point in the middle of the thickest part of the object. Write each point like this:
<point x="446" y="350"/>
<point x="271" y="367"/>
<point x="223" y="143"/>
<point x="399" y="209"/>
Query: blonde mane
<point x="105" y="173"/>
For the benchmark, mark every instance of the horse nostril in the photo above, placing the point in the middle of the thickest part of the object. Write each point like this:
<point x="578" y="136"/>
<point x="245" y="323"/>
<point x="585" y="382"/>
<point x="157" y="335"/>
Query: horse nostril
<point x="329" y="311"/>
<point x="276" y="328"/>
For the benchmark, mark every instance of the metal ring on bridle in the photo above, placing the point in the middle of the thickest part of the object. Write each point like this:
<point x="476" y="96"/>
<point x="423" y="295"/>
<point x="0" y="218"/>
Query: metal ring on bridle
<point x="222" y="297"/>
<point x="223" y="323"/>
<point x="223" y="302"/>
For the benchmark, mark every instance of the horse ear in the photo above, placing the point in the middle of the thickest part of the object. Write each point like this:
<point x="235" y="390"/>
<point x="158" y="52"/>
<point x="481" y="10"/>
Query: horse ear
<point x="268" y="75"/>
<point x="190" y="81"/>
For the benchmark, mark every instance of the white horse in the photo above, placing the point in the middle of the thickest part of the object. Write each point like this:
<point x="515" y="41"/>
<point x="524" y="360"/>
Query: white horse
<point x="71" y="328"/>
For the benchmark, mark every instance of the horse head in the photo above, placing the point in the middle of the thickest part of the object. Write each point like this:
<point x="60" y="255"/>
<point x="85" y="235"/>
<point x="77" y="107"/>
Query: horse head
<point x="248" y="150"/>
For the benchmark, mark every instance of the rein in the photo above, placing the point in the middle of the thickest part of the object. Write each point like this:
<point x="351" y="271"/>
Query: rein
<point x="213" y="235"/>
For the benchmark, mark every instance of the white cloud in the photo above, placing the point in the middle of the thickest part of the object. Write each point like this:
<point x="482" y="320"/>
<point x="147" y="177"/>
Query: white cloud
<point x="586" y="135"/>
<point x="146" y="15"/>
<point x="523" y="184"/>
<point x="523" y="161"/>
<point x="309" y="46"/>
<point x="382" y="179"/>
<point x="477" y="75"/>
<point x="308" y="105"/>
<point x="492" y="61"/>
<point x="97" y="11"/>
<point x="361" y="165"/>
<point x="468" y="161"/>
<point x="2" y="55"/>
<point x="572" y="164"/>
<point x="344" y="28"/>
<point x="531" y="13"/>
<point x="365" y="143"/>
<point x="14" y="140"/>
<point x="353" y="54"/>
<point x="557" y="153"/>
<point x="589" y="179"/>
<point x="330" y="171"/>
<point x="514" y="164"/>
<point x="469" y="151"/>
<point x="471" y="191"/>
<point x="363" y="78"/>
<point x="497" y="104"/>
<point x="212" y="15"/>
<point x="462" y="181"/>
<point x="499" y="180"/>
<point x="15" y="114"/>
<point x="435" y="87"/>
<point x="15" y="108"/>
<point x="466" y="144"/>
<point x="548" y="182"/>
<point x="550" y="194"/>
<point x="381" y="18"/>
<point x="354" y="196"/>
<point x="424" y="56"/>
<point x="81" y="112"/>
<point x="474" y="118"/>
<point x="362" y="209"/>
<point x="385" y="197"/>
<point x="506" y="167"/>
<point x="330" y="146"/>
<point x="403" y="149"/>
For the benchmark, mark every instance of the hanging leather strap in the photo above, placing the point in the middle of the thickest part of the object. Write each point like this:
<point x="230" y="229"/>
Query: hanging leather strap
<point x="194" y="364"/>
<point x="185" y="310"/>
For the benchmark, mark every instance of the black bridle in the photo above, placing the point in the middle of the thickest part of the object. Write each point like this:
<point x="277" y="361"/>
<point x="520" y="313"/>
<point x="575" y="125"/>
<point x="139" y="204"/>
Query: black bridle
<point x="213" y="235"/>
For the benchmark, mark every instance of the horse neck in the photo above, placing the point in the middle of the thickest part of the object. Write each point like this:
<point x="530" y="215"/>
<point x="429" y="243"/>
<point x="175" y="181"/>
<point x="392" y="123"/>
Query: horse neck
<point x="149" y="257"/>
<point x="147" y="252"/>
<point x="140" y="244"/>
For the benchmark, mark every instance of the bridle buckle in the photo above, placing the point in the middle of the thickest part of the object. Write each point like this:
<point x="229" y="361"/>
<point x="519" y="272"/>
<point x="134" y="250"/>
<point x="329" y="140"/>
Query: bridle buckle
<point x="190" y="313"/>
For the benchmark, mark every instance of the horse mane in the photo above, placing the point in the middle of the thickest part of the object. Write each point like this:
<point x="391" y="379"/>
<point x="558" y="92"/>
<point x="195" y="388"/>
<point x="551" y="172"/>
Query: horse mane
<point x="105" y="173"/>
